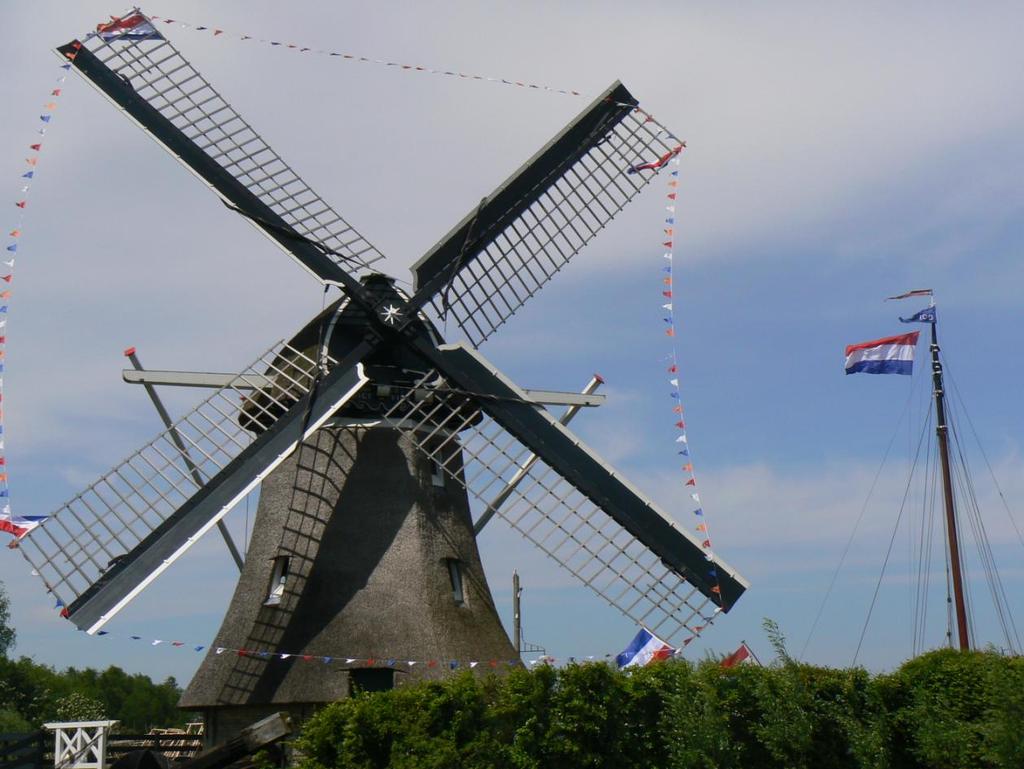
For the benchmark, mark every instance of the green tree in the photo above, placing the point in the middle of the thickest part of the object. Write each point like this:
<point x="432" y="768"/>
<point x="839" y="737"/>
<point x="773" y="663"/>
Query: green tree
<point x="79" y="707"/>
<point x="7" y="634"/>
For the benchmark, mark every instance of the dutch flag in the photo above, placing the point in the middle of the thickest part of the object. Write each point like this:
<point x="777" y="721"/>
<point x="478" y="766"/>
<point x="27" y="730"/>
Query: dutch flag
<point x="644" y="649"/>
<point x="891" y="355"/>
<point x="133" y="27"/>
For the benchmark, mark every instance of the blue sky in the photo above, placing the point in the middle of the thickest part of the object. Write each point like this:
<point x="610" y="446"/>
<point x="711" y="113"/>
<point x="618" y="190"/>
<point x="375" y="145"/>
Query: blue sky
<point x="835" y="157"/>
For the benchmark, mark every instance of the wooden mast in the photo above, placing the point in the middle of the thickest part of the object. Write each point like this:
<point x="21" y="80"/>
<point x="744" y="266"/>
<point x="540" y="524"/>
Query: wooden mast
<point x="942" y="431"/>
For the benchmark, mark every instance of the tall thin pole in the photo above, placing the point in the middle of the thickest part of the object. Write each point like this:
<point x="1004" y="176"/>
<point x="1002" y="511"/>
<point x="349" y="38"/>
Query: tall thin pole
<point x="517" y="617"/>
<point x="942" y="432"/>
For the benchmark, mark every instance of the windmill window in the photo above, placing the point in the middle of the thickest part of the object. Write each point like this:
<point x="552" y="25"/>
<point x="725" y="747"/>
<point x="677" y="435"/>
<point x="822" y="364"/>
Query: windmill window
<point x="455" y="577"/>
<point x="278" y="577"/>
<point x="436" y="474"/>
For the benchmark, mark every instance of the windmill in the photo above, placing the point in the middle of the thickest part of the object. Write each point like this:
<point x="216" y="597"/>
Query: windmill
<point x="366" y="432"/>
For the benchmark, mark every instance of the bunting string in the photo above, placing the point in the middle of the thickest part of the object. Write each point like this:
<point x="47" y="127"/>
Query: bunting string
<point x="219" y="33"/>
<point x="20" y="525"/>
<point x="683" y="450"/>
<point x="377" y="660"/>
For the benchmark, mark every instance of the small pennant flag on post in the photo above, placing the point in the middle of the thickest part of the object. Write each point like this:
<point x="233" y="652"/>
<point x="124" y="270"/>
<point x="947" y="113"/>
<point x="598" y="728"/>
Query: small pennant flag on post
<point x="913" y="293"/>
<point x="890" y="355"/>
<point x="643" y="650"/>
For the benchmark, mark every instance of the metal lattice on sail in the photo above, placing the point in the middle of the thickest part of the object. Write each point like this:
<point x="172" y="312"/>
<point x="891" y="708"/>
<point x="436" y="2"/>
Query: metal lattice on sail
<point x="76" y="546"/>
<point x="453" y="428"/>
<point x="503" y="260"/>
<point x="161" y="76"/>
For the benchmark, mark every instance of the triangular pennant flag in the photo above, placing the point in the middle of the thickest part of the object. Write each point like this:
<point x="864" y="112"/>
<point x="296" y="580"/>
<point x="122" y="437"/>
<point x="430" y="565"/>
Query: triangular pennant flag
<point x="12" y="247"/>
<point x="45" y="118"/>
<point x="219" y="650"/>
<point x="21" y="203"/>
<point x="688" y="468"/>
<point x="15" y="233"/>
<point x="28" y="175"/>
<point x="674" y="382"/>
<point x="667" y="294"/>
<point x="677" y="409"/>
<point x="667" y="306"/>
<point x="349" y="660"/>
<point x="55" y="92"/>
<point x="698" y="511"/>
<point x="670" y="332"/>
<point x="198" y="648"/>
<point x="65" y="66"/>
<point x="35" y="147"/>
<point x="681" y="439"/>
<point x="32" y="161"/>
<point x="673" y="368"/>
<point x="706" y="543"/>
<point x="6" y="278"/>
<point x="671" y="196"/>
<point x="156" y="642"/>
<point x="285" y="656"/>
<point x="685" y="452"/>
<point x="691" y="482"/>
<point x="177" y="643"/>
<point x="695" y="497"/>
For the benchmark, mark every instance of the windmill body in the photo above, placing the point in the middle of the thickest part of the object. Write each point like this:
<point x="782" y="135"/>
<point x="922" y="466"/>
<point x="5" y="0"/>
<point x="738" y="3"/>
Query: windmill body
<point x="361" y="545"/>
<point x="370" y="435"/>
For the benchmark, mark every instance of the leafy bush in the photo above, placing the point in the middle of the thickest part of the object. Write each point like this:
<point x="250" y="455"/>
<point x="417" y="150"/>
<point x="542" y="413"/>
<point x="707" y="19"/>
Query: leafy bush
<point x="942" y="710"/>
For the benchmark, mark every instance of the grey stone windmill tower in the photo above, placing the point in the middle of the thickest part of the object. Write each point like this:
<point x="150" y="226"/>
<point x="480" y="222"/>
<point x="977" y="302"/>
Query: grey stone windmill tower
<point x="368" y="433"/>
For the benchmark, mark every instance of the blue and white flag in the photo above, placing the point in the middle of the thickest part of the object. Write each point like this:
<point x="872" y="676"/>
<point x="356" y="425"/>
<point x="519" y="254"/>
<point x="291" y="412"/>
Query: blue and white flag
<point x="644" y="649"/>
<point x="927" y="315"/>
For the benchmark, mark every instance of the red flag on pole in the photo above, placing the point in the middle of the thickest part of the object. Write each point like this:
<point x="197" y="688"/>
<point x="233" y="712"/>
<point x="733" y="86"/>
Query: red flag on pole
<point x="736" y="657"/>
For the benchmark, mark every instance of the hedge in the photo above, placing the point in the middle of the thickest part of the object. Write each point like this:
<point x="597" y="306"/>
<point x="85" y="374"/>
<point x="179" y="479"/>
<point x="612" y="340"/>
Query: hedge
<point x="943" y="710"/>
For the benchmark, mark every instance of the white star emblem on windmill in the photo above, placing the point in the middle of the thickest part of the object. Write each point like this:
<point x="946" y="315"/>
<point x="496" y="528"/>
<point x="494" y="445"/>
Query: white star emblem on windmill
<point x="391" y="314"/>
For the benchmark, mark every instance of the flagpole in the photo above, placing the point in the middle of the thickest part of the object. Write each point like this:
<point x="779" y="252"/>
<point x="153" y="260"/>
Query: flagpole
<point x="942" y="431"/>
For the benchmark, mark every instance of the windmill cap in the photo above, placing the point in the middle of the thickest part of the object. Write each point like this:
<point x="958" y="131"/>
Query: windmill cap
<point x="129" y="352"/>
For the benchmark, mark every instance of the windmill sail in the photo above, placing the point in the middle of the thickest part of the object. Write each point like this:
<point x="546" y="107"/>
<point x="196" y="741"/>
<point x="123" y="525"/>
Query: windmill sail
<point x="103" y="546"/>
<point x="160" y="90"/>
<point x="107" y="543"/>
<point x="528" y="229"/>
<point x="570" y="504"/>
